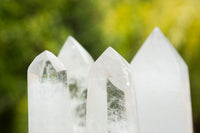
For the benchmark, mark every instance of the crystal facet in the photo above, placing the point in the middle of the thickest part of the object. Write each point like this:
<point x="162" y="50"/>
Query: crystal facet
<point x="162" y="86"/>
<point x="77" y="62"/>
<point x="48" y="95"/>
<point x="111" y="104"/>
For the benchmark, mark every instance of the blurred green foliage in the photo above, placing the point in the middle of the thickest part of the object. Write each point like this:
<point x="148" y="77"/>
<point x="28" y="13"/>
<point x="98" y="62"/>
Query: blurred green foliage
<point x="27" y="27"/>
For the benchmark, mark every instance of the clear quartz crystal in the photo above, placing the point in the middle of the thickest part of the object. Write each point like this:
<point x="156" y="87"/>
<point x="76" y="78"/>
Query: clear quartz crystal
<point x="77" y="62"/>
<point x="111" y="104"/>
<point x="162" y="86"/>
<point x="48" y="96"/>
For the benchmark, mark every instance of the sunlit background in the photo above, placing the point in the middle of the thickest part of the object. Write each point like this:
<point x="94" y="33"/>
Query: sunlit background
<point x="27" y="27"/>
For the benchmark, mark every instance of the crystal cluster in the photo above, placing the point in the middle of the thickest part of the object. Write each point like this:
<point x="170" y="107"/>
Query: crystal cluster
<point x="73" y="94"/>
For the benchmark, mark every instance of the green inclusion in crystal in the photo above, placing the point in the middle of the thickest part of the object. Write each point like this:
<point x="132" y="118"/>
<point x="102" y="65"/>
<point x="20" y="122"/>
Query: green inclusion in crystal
<point x="116" y="103"/>
<point x="50" y="74"/>
<point x="76" y="93"/>
<point x="73" y="88"/>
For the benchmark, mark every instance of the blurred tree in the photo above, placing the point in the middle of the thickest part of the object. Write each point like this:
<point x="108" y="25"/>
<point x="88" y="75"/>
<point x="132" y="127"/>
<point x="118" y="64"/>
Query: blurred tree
<point x="28" y="28"/>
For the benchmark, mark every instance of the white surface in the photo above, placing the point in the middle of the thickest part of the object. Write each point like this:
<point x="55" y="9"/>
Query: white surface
<point x="162" y="87"/>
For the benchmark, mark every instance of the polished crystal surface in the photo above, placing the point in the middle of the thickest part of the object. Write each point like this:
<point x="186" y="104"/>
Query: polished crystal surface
<point x="77" y="62"/>
<point x="162" y="86"/>
<point x="111" y="104"/>
<point x="75" y="58"/>
<point x="48" y="95"/>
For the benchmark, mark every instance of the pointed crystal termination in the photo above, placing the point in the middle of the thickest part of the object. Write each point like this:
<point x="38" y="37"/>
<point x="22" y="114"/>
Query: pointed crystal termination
<point x="77" y="62"/>
<point x="111" y="104"/>
<point x="48" y="96"/>
<point x="162" y="87"/>
<point x="75" y="58"/>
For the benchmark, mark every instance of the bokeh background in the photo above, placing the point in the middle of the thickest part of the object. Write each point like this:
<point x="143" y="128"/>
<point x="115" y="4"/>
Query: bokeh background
<point x="27" y="27"/>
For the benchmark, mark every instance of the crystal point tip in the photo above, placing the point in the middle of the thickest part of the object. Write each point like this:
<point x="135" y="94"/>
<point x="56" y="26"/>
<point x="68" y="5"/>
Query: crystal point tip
<point x="44" y="54"/>
<point x="157" y="29"/>
<point x="157" y="33"/>
<point x="41" y="58"/>
<point x="73" y="40"/>
<point x="110" y="53"/>
<point x="73" y="55"/>
<point x="109" y="50"/>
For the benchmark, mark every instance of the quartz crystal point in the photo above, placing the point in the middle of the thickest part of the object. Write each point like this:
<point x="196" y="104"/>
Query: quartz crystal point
<point x="111" y="104"/>
<point x="77" y="62"/>
<point x="48" y="96"/>
<point x="162" y="86"/>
